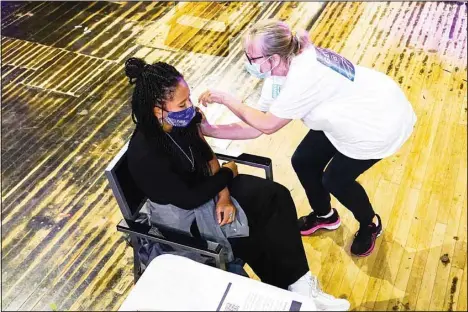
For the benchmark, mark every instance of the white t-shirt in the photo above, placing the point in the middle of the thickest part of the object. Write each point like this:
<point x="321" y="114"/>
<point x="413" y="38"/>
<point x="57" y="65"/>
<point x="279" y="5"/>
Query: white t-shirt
<point x="363" y="112"/>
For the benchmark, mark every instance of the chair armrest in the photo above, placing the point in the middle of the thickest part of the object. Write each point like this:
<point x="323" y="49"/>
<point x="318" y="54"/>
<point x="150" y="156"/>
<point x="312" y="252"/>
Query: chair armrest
<point x="174" y="239"/>
<point x="251" y="160"/>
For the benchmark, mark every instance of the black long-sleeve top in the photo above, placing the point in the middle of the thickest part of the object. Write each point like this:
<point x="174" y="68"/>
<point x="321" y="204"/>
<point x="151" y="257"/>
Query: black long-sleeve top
<point x="164" y="181"/>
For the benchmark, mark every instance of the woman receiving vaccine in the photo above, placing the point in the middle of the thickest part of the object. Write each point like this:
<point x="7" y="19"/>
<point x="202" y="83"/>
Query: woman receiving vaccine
<point x="356" y="116"/>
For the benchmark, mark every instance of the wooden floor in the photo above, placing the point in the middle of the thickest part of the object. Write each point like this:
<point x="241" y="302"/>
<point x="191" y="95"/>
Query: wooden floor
<point x="65" y="113"/>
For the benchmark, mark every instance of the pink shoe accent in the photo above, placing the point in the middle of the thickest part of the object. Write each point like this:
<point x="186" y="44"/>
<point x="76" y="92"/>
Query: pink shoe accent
<point x="370" y="249"/>
<point x="331" y="226"/>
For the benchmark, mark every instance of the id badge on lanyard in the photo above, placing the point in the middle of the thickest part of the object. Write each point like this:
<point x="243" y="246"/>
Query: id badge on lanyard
<point x="276" y="85"/>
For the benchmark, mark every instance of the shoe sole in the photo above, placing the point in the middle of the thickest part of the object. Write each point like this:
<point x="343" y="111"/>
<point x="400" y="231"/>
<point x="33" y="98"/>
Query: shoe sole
<point x="371" y="249"/>
<point x="330" y="227"/>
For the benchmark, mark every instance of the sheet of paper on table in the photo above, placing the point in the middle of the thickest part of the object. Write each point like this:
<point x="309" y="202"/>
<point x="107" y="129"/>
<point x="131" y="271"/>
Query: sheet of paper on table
<point x="174" y="283"/>
<point x="238" y="298"/>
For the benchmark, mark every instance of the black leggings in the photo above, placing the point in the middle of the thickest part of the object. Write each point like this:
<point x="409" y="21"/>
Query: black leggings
<point x="309" y="161"/>
<point x="274" y="247"/>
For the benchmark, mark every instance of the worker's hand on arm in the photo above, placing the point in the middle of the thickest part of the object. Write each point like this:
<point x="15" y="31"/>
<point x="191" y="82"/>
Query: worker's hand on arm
<point x="264" y="122"/>
<point x="234" y="131"/>
<point x="215" y="96"/>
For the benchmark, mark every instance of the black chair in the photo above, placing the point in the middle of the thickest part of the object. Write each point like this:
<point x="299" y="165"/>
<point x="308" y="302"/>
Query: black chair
<point x="131" y="199"/>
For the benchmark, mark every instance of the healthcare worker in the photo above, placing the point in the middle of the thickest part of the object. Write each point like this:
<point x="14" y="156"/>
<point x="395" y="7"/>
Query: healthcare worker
<point x="356" y="116"/>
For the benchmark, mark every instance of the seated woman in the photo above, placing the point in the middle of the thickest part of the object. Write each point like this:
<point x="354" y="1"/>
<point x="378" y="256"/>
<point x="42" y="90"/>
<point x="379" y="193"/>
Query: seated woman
<point x="173" y="165"/>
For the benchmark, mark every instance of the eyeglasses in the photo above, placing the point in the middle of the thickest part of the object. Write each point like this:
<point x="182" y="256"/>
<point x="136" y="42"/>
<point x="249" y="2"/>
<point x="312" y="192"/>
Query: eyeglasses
<point x="254" y="58"/>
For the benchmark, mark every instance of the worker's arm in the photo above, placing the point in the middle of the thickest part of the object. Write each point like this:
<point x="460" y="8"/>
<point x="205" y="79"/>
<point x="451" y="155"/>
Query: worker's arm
<point x="234" y="131"/>
<point x="264" y="122"/>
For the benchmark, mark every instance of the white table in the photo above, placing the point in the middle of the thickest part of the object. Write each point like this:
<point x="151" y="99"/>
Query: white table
<point x="176" y="283"/>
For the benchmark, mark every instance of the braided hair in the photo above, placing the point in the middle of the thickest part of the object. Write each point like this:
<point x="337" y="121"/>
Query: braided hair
<point x="154" y="85"/>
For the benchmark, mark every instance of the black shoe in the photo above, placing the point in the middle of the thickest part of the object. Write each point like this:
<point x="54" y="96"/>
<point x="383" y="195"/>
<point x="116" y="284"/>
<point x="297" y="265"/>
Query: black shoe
<point x="364" y="240"/>
<point x="312" y="223"/>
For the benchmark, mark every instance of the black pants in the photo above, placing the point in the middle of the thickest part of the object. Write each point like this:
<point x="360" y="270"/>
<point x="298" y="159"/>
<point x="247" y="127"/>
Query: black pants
<point x="274" y="248"/>
<point x="309" y="161"/>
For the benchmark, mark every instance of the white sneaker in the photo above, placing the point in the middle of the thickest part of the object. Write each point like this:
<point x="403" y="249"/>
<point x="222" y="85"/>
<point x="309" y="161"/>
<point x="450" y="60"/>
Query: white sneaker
<point x="308" y="286"/>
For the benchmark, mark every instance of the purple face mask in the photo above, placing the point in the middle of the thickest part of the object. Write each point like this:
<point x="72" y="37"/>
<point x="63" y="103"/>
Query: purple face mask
<point x="181" y="118"/>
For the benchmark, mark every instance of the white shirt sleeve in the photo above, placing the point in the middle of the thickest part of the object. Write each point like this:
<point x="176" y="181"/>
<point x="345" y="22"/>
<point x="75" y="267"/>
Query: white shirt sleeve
<point x="299" y="94"/>
<point x="296" y="99"/>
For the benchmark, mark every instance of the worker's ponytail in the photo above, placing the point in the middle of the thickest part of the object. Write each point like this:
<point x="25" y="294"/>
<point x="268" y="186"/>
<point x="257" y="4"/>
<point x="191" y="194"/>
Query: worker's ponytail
<point x="303" y="38"/>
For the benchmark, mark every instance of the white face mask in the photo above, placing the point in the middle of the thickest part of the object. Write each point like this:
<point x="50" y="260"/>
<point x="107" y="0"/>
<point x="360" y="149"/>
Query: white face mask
<point x="254" y="69"/>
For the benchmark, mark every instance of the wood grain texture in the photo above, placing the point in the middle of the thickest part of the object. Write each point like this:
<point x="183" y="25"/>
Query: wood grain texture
<point x="65" y="113"/>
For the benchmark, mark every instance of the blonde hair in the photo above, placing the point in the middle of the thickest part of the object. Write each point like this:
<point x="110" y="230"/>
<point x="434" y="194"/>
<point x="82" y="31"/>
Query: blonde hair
<point x="277" y="38"/>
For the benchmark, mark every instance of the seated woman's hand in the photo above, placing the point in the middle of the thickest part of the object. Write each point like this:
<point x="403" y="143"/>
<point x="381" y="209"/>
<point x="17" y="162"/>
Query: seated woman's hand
<point x="225" y="211"/>
<point x="233" y="166"/>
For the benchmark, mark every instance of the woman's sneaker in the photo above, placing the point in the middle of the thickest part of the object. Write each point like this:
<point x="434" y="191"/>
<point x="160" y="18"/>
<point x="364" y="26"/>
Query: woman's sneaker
<point x="312" y="223"/>
<point x="364" y="240"/>
<point x="309" y="286"/>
